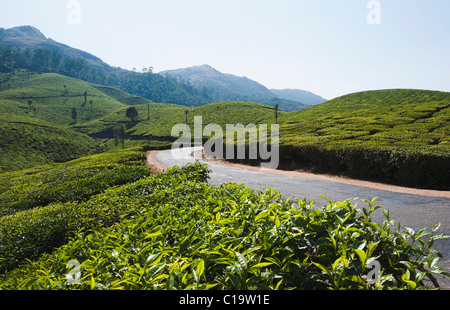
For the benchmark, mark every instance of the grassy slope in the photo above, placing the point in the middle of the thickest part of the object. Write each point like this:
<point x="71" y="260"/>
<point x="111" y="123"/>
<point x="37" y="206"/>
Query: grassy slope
<point x="412" y="119"/>
<point x="164" y="116"/>
<point x="395" y="136"/>
<point x="47" y="93"/>
<point x="26" y="142"/>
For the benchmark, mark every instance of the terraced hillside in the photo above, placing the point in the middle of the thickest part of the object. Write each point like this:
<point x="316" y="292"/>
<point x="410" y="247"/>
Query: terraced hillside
<point x="164" y="116"/>
<point x="52" y="97"/>
<point x="36" y="112"/>
<point x="400" y="136"/>
<point x="26" y="142"/>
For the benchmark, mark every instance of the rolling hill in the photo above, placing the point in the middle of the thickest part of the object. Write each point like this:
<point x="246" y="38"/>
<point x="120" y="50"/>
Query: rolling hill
<point x="26" y="142"/>
<point x="156" y="129"/>
<point x="27" y="48"/>
<point x="37" y="110"/>
<point x="399" y="136"/>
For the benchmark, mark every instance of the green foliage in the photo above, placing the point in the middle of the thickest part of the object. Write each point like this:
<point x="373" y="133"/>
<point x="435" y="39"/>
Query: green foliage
<point x="26" y="142"/>
<point x="181" y="233"/>
<point x="398" y="136"/>
<point x="73" y="181"/>
<point x="54" y="96"/>
<point x="31" y="233"/>
<point x="132" y="113"/>
<point x="163" y="117"/>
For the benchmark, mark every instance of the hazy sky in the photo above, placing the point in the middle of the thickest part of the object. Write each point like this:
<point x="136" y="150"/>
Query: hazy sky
<point x="324" y="46"/>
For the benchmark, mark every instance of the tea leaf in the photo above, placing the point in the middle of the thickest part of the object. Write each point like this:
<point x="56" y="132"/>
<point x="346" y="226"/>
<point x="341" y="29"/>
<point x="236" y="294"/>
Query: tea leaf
<point x="200" y="268"/>
<point x="262" y="215"/>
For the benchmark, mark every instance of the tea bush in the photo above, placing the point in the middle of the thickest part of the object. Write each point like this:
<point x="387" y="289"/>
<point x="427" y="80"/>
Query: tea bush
<point x="418" y="168"/>
<point x="396" y="136"/>
<point x="185" y="234"/>
<point x="31" y="233"/>
<point x="77" y="180"/>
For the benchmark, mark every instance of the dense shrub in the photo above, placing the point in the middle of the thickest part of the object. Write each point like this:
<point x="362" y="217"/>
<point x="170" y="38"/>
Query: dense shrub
<point x="77" y="180"/>
<point x="29" y="234"/>
<point x="185" y="234"/>
<point x="418" y="169"/>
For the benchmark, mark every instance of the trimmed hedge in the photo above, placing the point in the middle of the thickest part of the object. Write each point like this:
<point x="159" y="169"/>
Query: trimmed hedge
<point x="188" y="235"/>
<point x="391" y="165"/>
<point x="29" y="234"/>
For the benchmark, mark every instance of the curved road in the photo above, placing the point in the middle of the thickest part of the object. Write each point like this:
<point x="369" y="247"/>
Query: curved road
<point x="407" y="209"/>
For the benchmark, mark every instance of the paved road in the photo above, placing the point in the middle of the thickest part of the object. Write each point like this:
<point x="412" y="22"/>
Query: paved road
<point x="414" y="211"/>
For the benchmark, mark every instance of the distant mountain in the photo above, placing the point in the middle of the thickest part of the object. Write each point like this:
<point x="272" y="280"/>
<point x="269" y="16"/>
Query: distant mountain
<point x="218" y="86"/>
<point x="303" y="96"/>
<point x="28" y="37"/>
<point x="217" y="82"/>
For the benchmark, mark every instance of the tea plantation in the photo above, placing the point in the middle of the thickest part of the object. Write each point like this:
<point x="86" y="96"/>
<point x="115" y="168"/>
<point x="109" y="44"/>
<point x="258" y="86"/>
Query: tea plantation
<point x="137" y="231"/>
<point x="394" y="136"/>
<point x="68" y="201"/>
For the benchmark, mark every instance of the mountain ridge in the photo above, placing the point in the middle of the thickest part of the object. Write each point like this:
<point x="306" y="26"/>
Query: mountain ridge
<point x="32" y="38"/>
<point x="220" y="86"/>
<point x="304" y="96"/>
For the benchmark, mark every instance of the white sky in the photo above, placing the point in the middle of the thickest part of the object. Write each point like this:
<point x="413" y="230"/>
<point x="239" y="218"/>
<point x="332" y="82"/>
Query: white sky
<point x="323" y="46"/>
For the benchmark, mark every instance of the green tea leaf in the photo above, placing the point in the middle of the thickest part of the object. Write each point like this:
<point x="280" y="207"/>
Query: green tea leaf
<point x="262" y="265"/>
<point x="154" y="259"/>
<point x="262" y="215"/>
<point x="362" y="257"/>
<point x="200" y="268"/>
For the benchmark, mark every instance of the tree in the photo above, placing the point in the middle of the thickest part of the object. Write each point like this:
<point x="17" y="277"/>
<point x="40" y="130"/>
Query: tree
<point x="186" y="112"/>
<point x="56" y="60"/>
<point x="132" y="113"/>
<point x="74" y="115"/>
<point x="119" y="136"/>
<point x="27" y="56"/>
<point x="276" y="113"/>
<point x="30" y="104"/>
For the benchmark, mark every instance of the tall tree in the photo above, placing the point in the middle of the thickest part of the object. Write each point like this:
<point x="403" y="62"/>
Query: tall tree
<point x="74" y="114"/>
<point x="119" y="136"/>
<point x="132" y="113"/>
<point x="55" y="60"/>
